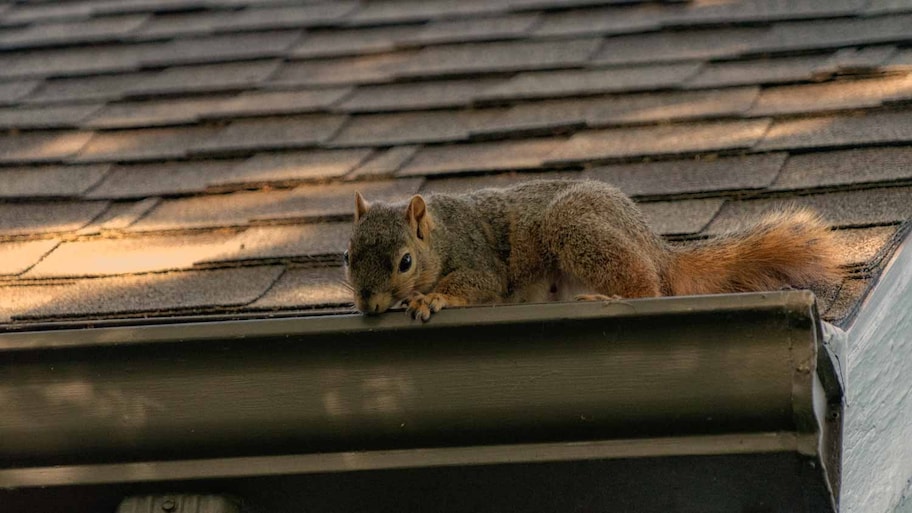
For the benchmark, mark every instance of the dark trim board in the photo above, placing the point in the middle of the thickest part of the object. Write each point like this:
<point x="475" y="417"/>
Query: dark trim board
<point x="781" y="482"/>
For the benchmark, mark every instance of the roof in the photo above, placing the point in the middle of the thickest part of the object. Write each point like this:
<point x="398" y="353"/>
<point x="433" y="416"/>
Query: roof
<point x="164" y="158"/>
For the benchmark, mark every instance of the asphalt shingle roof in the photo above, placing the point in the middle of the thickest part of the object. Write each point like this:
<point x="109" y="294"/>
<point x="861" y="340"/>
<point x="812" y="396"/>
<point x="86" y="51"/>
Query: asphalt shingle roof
<point x="163" y="157"/>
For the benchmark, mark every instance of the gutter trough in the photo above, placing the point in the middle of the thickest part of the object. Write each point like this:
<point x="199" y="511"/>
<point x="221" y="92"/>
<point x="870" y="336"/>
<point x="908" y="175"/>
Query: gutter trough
<point x="724" y="400"/>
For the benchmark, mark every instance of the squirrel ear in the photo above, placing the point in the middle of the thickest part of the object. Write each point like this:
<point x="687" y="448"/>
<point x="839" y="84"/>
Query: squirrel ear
<point x="418" y="217"/>
<point x="361" y="206"/>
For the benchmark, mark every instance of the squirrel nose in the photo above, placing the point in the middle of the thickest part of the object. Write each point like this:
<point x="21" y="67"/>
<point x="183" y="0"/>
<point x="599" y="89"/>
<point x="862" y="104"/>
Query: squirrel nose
<point x="378" y="302"/>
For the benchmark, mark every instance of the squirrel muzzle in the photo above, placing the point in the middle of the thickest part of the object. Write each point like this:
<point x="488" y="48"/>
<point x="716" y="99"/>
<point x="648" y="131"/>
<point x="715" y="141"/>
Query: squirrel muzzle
<point x="371" y="303"/>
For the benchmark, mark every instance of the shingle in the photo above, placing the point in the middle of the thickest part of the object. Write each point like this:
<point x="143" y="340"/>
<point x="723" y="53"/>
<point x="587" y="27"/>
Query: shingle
<point x="41" y="146"/>
<point x="260" y="103"/>
<point x="764" y="11"/>
<point x="494" y="156"/>
<point x="107" y="28"/>
<point x="235" y="4"/>
<point x="105" y="87"/>
<point x="836" y="131"/>
<point x="568" y="4"/>
<point x="675" y="46"/>
<point x="692" y="176"/>
<point x="126" y="255"/>
<point x="845" y="167"/>
<point x="468" y="184"/>
<point x="337" y="200"/>
<point x="302" y="242"/>
<point x="412" y="127"/>
<point x="835" y="33"/>
<point x="238" y="209"/>
<point x="166" y="26"/>
<point x="306" y="288"/>
<point x="862" y="246"/>
<point x="841" y="209"/>
<point x="836" y="95"/>
<point x="18" y="257"/>
<point x="500" y="57"/>
<point x="207" y="77"/>
<point x="49" y="180"/>
<point x="47" y="12"/>
<point x="542" y="117"/>
<point x="876" y="7"/>
<point x="63" y="116"/>
<point x="660" y="140"/>
<point x="254" y="18"/>
<point x="545" y="84"/>
<point x="760" y="71"/>
<point x="39" y="217"/>
<point x="180" y="111"/>
<point x="684" y="217"/>
<point x="901" y="61"/>
<point x="493" y="28"/>
<point x="217" y="210"/>
<point x="119" y="216"/>
<point x="282" y="132"/>
<point x="407" y="11"/>
<point x="864" y="60"/>
<point x="343" y="71"/>
<point x="384" y="164"/>
<point x="643" y="108"/>
<point x="295" y="166"/>
<point x="847" y="298"/>
<point x="148" y="294"/>
<point x="416" y="96"/>
<point x="161" y="178"/>
<point x="11" y="92"/>
<point x="230" y="47"/>
<point x="128" y="6"/>
<point x="337" y="42"/>
<point x="602" y="21"/>
<point x="144" y="144"/>
<point x="75" y="61"/>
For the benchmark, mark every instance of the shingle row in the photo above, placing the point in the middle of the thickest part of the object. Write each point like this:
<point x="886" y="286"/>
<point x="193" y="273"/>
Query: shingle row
<point x="247" y="137"/>
<point x="595" y="101"/>
<point x="443" y="20"/>
<point x="442" y="58"/>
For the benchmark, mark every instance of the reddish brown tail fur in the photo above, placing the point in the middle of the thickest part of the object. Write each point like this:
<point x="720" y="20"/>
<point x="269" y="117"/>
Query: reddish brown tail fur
<point x="789" y="248"/>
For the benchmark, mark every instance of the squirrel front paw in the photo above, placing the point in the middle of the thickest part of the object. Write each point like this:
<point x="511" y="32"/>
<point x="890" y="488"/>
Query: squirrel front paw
<point x="421" y="306"/>
<point x="597" y="297"/>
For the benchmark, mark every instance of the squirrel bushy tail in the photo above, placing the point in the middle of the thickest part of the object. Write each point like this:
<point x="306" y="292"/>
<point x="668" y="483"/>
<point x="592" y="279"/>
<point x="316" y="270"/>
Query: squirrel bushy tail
<point x="793" y="247"/>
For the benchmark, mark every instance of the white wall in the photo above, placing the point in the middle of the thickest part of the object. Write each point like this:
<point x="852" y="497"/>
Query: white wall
<point x="877" y="443"/>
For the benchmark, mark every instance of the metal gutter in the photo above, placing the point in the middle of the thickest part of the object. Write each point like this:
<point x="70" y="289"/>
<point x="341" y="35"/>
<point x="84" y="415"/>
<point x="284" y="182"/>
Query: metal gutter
<point x="669" y="377"/>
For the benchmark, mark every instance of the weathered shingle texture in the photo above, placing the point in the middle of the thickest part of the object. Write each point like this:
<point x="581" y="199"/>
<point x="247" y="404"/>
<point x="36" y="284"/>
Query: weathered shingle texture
<point x="175" y="157"/>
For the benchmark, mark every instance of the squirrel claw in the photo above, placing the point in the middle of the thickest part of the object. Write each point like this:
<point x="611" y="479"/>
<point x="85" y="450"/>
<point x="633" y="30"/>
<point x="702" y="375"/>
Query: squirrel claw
<point x="597" y="297"/>
<point x="421" y="306"/>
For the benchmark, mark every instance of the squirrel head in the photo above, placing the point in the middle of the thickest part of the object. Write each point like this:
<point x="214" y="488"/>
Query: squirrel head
<point x="389" y="255"/>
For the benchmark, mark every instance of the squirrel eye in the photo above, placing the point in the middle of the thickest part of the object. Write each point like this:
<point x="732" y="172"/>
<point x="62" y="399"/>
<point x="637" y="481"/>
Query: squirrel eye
<point x="345" y="257"/>
<point x="406" y="263"/>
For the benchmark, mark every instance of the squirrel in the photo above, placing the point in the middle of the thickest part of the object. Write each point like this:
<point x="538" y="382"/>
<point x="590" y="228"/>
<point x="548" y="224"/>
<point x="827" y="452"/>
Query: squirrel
<point x="550" y="240"/>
